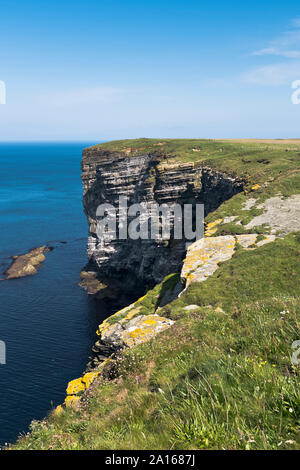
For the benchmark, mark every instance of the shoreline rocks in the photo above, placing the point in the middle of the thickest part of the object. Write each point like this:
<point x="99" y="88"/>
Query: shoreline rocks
<point x="26" y="264"/>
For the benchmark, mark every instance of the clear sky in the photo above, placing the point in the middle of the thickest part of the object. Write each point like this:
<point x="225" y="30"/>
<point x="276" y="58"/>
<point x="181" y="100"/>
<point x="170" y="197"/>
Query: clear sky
<point x="97" y="70"/>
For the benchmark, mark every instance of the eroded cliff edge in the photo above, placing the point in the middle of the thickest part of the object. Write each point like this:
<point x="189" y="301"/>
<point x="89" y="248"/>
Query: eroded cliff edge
<point x="210" y="368"/>
<point x="143" y="176"/>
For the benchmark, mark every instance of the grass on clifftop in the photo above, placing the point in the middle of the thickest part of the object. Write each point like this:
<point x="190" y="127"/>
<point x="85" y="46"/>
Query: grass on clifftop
<point x="220" y="378"/>
<point x="259" y="160"/>
<point x="273" y="166"/>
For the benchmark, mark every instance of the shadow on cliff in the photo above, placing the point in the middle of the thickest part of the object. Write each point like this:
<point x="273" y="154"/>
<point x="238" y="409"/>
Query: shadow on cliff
<point x="135" y="266"/>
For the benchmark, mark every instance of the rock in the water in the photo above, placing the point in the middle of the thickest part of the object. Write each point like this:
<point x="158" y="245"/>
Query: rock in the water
<point x="28" y="264"/>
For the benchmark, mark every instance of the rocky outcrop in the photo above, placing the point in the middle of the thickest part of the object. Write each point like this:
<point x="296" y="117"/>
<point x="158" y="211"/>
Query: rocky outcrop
<point x="124" y="329"/>
<point x="131" y="331"/>
<point x="203" y="256"/>
<point x="130" y="326"/>
<point x="282" y="215"/>
<point x="27" y="264"/>
<point x="148" y="178"/>
<point x="76" y="388"/>
<point x="135" y="323"/>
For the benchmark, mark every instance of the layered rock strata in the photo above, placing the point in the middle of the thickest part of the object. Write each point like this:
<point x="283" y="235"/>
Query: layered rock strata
<point x="142" y="179"/>
<point x="130" y="326"/>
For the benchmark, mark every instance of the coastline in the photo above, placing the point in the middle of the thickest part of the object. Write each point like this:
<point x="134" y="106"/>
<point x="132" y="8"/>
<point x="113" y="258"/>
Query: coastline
<point x="26" y="264"/>
<point x="171" y="352"/>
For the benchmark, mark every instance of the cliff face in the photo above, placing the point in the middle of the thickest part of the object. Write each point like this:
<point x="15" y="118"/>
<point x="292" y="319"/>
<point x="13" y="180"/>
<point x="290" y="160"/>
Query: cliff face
<point x="147" y="178"/>
<point x="241" y="296"/>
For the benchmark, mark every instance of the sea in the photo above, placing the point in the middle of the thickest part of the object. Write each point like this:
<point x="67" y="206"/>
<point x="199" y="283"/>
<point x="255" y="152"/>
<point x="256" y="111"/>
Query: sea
<point x="47" y="322"/>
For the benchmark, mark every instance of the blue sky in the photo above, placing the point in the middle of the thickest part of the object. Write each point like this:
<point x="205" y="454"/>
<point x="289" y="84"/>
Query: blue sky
<point x="99" y="70"/>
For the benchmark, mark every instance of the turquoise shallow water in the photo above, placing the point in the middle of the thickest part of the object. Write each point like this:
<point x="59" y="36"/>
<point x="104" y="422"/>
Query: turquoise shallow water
<point x="47" y="322"/>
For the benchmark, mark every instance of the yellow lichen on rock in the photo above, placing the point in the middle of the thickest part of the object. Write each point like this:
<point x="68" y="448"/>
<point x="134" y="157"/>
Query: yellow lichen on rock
<point x="143" y="328"/>
<point x="71" y="400"/>
<point x="82" y="383"/>
<point x="58" y="410"/>
<point x="89" y="378"/>
<point x="132" y="310"/>
<point x="127" y="332"/>
<point x="247" y="240"/>
<point x="131" y="314"/>
<point x="211" y="228"/>
<point x="204" y="255"/>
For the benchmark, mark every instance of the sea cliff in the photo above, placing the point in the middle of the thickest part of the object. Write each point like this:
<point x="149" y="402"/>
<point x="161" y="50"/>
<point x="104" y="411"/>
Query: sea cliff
<point x="205" y="358"/>
<point x="146" y="176"/>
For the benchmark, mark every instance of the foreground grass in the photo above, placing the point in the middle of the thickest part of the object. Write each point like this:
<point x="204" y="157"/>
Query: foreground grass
<point x="220" y="378"/>
<point x="258" y="161"/>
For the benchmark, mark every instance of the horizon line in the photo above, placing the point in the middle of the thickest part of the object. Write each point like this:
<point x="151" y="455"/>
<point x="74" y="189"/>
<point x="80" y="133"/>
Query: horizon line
<point x="99" y="141"/>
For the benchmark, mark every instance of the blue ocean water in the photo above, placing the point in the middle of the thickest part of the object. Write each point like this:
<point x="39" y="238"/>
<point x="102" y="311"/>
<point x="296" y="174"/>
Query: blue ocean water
<point x="47" y="322"/>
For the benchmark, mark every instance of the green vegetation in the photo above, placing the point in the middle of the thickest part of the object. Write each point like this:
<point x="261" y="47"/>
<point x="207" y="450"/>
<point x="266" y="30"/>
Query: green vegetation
<point x="147" y="304"/>
<point x="258" y="160"/>
<point x="221" y="377"/>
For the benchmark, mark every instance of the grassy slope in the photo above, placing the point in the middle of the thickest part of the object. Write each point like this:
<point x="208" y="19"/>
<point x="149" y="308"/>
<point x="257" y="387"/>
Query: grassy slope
<point x="258" y="160"/>
<point x="273" y="164"/>
<point x="222" y="376"/>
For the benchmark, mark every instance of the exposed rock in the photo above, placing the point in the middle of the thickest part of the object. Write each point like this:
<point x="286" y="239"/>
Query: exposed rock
<point x="110" y="341"/>
<point x="282" y="215"/>
<point x="268" y="239"/>
<point x="227" y="220"/>
<point x="211" y="228"/>
<point x="247" y="240"/>
<point x="135" y="331"/>
<point x="203" y="256"/>
<point x="90" y="282"/>
<point x="170" y="295"/>
<point x="191" y="307"/>
<point x="149" y="178"/>
<point x="28" y="264"/>
<point x="99" y="288"/>
<point x="249" y="204"/>
<point x="127" y="332"/>
<point x="76" y="388"/>
<point x="79" y="385"/>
